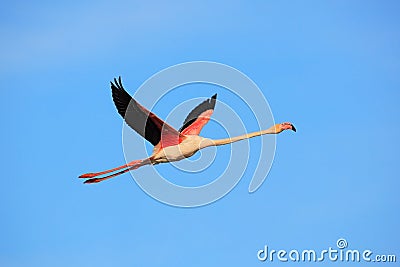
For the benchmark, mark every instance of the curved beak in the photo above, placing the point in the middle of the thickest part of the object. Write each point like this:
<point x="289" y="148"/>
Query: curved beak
<point x="293" y="128"/>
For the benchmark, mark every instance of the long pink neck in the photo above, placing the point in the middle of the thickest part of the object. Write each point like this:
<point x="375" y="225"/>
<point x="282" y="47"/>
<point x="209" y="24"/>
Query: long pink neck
<point x="225" y="141"/>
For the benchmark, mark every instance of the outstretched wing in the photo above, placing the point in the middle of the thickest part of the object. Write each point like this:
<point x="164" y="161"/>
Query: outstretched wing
<point x="198" y="117"/>
<point x="144" y="122"/>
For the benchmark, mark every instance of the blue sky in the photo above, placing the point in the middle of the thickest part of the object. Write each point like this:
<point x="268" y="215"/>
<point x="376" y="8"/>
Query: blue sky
<point x="330" y="67"/>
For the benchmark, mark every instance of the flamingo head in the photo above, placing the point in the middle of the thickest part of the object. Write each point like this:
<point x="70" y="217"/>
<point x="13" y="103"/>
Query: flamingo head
<point x="284" y="126"/>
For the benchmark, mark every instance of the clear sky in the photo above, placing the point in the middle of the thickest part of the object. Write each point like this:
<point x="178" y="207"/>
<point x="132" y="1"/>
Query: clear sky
<point x="330" y="67"/>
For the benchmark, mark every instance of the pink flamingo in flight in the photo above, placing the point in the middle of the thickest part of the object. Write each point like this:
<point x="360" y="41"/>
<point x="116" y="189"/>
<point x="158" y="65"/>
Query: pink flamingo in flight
<point x="169" y="144"/>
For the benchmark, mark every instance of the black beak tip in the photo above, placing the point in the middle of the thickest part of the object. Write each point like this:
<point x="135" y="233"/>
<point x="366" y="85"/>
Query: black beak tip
<point x="293" y="128"/>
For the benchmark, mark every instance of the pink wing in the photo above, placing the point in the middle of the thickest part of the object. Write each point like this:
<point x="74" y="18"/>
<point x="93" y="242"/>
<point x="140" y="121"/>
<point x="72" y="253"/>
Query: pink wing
<point x="144" y="122"/>
<point x="198" y="117"/>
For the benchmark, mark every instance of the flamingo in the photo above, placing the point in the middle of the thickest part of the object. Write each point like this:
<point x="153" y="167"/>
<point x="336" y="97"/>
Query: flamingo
<point x="169" y="144"/>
